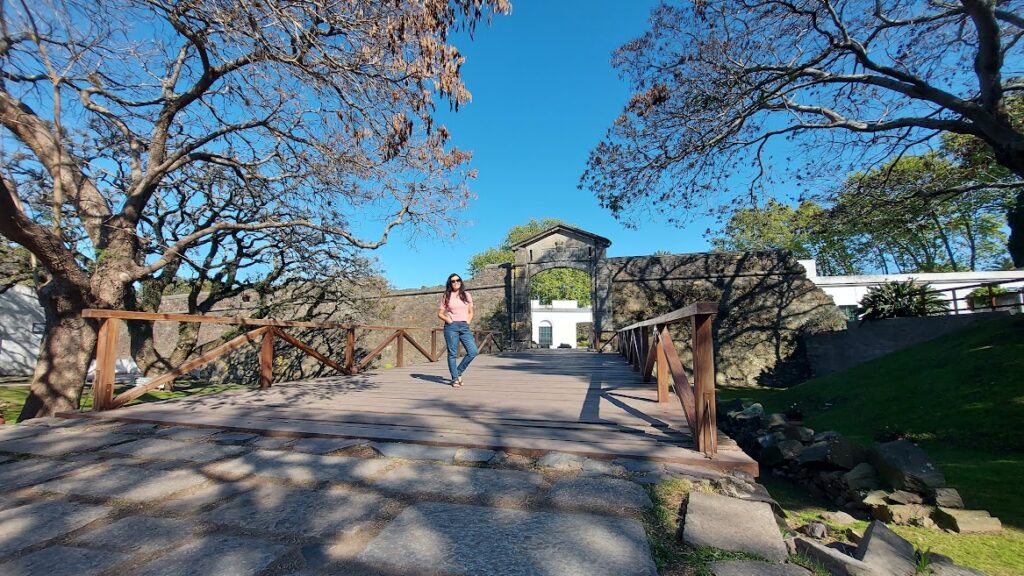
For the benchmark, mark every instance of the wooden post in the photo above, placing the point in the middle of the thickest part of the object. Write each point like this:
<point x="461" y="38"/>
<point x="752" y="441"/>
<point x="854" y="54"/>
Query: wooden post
<point x="991" y="298"/>
<point x="106" y="365"/>
<point x="267" y="360"/>
<point x="662" y="362"/>
<point x="400" y="350"/>
<point x="704" y="384"/>
<point x="433" y="345"/>
<point x="350" y="351"/>
<point x="643" y="349"/>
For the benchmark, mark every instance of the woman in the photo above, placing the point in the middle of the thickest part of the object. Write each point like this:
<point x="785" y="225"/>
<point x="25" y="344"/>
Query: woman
<point x="457" y="312"/>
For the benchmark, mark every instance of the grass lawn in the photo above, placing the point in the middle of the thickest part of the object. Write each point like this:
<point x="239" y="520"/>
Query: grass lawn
<point x="12" y="398"/>
<point x="961" y="397"/>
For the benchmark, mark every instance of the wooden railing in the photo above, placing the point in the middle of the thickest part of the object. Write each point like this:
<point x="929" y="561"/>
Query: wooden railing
<point x="264" y="333"/>
<point x="648" y="346"/>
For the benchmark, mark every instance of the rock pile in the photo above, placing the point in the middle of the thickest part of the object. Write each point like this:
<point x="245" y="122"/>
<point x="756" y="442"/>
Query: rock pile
<point x="894" y="482"/>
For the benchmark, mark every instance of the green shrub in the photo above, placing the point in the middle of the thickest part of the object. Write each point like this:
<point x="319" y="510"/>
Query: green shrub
<point x="900" y="300"/>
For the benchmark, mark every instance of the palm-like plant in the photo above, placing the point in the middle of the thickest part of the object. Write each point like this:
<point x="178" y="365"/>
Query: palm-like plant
<point x="899" y="300"/>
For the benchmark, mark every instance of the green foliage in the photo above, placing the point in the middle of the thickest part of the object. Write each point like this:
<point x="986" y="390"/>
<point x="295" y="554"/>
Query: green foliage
<point x="775" y="226"/>
<point x="923" y="560"/>
<point x="900" y="300"/>
<point x="503" y="254"/>
<point x="561" y="284"/>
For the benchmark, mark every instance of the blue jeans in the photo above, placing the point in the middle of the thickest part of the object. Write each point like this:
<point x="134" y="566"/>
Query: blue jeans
<point x="453" y="333"/>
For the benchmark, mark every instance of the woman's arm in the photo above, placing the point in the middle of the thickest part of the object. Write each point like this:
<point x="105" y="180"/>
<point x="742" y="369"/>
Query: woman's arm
<point x="470" y="321"/>
<point x="443" y="314"/>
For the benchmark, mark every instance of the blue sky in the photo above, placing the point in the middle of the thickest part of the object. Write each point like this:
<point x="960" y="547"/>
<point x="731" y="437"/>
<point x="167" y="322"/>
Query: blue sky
<point x="544" y="92"/>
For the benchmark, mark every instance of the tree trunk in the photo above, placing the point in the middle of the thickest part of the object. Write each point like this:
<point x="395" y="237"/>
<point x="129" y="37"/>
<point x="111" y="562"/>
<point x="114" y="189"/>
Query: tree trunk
<point x="68" y="346"/>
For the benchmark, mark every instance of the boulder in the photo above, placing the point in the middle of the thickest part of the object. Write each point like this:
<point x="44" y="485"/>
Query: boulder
<point x="834" y="561"/>
<point x="826" y="436"/>
<point x="904" y="497"/>
<point x="775" y="420"/>
<point x="729" y="406"/>
<point x="905" y="466"/>
<point x="816" y="530"/>
<point x="903" y="514"/>
<point x="948" y="498"/>
<point x="815" y="454"/>
<point x="846" y="454"/>
<point x="862" y="477"/>
<point x="800" y="433"/>
<point x="875" y="498"/>
<point x="966" y="520"/>
<point x="886" y="551"/>
<point x="838" y="518"/>
<point x="944" y="566"/>
<point x="752" y="412"/>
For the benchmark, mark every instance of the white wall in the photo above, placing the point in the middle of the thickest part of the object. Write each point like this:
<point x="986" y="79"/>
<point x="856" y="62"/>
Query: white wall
<point x="19" y="347"/>
<point x="562" y="316"/>
<point x="847" y="291"/>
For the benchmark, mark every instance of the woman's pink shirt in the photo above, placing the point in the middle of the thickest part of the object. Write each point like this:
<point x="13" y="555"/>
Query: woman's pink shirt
<point x="457" y="309"/>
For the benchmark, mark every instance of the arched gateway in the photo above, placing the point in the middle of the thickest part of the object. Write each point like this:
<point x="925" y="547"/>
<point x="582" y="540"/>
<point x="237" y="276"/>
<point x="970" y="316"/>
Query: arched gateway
<point x="558" y="247"/>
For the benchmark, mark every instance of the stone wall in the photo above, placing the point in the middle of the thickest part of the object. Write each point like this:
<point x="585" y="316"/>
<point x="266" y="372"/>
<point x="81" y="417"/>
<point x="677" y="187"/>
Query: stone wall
<point x="834" y="351"/>
<point x="766" y="306"/>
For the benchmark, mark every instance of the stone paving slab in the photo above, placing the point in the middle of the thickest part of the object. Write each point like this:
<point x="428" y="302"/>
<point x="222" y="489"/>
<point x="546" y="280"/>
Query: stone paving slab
<point x="125" y="483"/>
<point x="140" y="428"/>
<point x="462" y="482"/>
<point x="4" y="459"/>
<point x="61" y="561"/>
<point x="298" y="512"/>
<point x="601" y="495"/>
<point x="324" y="445"/>
<point x="34" y="471"/>
<point x="50" y="443"/>
<point x="272" y="443"/>
<point x="461" y="539"/>
<point x="30" y="524"/>
<point x="234" y="438"/>
<point x="474" y="455"/>
<point x="203" y="497"/>
<point x="185" y="434"/>
<point x="299" y="467"/>
<point x="754" y="568"/>
<point x="734" y="525"/>
<point x="415" y="451"/>
<point x="159" y="449"/>
<point x="137" y="534"/>
<point x="217" y="554"/>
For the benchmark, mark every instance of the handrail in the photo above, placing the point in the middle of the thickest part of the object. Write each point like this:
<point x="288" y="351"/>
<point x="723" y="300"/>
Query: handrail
<point x="267" y="329"/>
<point x="648" y="346"/>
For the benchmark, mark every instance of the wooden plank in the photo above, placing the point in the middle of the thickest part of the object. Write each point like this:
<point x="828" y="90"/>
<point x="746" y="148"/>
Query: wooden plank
<point x="309" y="350"/>
<point x="663" y="374"/>
<point x="650" y="355"/>
<point x="677" y="315"/>
<point x="682" y="385"/>
<point x="376" y="351"/>
<point x="704" y="383"/>
<point x="400" y="349"/>
<point x="106" y="365"/>
<point x="233" y="344"/>
<point x="350" y="351"/>
<point x="417" y="346"/>
<point x="267" y="359"/>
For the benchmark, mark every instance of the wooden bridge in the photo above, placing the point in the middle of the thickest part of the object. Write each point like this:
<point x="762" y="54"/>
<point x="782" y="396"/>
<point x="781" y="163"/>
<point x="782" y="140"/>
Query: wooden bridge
<point x="529" y="402"/>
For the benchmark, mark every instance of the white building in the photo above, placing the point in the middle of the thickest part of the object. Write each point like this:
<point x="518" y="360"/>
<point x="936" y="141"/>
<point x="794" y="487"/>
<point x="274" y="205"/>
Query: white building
<point x="21" y="331"/>
<point x="555" y="324"/>
<point x="847" y="291"/>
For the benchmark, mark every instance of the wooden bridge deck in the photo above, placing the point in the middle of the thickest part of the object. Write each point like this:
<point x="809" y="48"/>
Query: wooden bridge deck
<point x="525" y="402"/>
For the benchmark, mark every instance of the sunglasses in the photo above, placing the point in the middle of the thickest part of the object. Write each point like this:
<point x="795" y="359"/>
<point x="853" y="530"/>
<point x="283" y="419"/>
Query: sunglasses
<point x="456" y="281"/>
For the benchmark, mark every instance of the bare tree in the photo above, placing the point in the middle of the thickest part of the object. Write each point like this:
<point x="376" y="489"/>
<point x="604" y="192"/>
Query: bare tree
<point x="831" y="86"/>
<point x="328" y="105"/>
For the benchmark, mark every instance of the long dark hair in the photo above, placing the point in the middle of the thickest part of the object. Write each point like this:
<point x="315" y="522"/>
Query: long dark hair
<point x="448" y="289"/>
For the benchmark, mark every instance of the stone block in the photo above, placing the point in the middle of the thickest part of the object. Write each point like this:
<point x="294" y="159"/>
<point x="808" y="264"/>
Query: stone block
<point x="599" y="495"/>
<point x="775" y="420"/>
<point x="781" y="452"/>
<point x="948" y="498"/>
<point x="61" y="561"/>
<point x="592" y="467"/>
<point x="125" y="483"/>
<point x="24" y="526"/>
<point x="816" y="530"/>
<point x="300" y="467"/>
<point x="814" y="455"/>
<point x="906" y="467"/>
<point x="966" y="520"/>
<point x="641" y="466"/>
<point x="325" y="445"/>
<point x="286" y="511"/>
<point x="33" y="471"/>
<point x="845" y="453"/>
<point x="875" y="498"/>
<point x="415" y="451"/>
<point x="944" y="566"/>
<point x="861" y="477"/>
<point x="833" y="561"/>
<point x="474" y="455"/>
<point x="801" y="433"/>
<point x="754" y="568"/>
<point x="561" y="461"/>
<point x="54" y="443"/>
<point x="458" y="539"/>
<point x="485" y="484"/>
<point x="826" y="436"/>
<point x="161" y="449"/>
<point x="838" y="518"/>
<point x="215" y="554"/>
<point x="903" y="514"/>
<point x="138" y="534"/>
<point x="884" y="550"/>
<point x="734" y="525"/>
